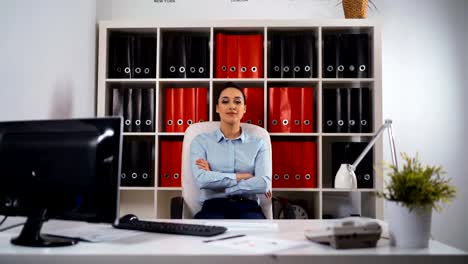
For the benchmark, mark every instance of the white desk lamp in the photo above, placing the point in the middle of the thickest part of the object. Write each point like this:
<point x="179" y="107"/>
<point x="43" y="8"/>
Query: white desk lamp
<point x="345" y="177"/>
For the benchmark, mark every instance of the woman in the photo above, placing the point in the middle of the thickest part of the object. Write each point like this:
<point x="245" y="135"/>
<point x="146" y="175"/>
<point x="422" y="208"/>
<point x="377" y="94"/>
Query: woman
<point x="230" y="166"/>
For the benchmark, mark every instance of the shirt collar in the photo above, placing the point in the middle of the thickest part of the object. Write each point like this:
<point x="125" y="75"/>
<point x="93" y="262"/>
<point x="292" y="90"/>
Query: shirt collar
<point x="220" y="136"/>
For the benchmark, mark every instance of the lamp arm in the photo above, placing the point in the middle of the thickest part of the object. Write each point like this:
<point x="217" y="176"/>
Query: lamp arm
<point x="387" y="124"/>
<point x="392" y="144"/>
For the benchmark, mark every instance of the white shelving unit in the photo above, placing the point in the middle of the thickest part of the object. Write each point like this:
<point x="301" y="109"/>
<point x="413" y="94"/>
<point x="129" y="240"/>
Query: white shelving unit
<point x="154" y="202"/>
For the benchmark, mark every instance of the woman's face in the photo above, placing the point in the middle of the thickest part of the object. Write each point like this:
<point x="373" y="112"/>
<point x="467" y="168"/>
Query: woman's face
<point x="231" y="106"/>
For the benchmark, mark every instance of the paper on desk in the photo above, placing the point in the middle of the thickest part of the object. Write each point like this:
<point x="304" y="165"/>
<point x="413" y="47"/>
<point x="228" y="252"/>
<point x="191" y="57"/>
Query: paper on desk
<point x="246" y="226"/>
<point x="94" y="233"/>
<point x="259" y="245"/>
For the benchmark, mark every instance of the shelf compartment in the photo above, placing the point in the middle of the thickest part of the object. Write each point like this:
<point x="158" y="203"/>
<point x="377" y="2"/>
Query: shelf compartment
<point x="295" y="162"/>
<point x="138" y="161"/>
<point x="346" y="203"/>
<point x="292" y="52"/>
<point x="347" y="52"/>
<point x="306" y="200"/>
<point x="292" y="108"/>
<point x="238" y="53"/>
<point x="154" y="207"/>
<point x="138" y="202"/>
<point x="338" y="150"/>
<point x="149" y="81"/>
<point x="182" y="104"/>
<point x="255" y="101"/>
<point x="164" y="198"/>
<point x="131" y="54"/>
<point x="185" y="53"/>
<point x="169" y="163"/>
<point x="135" y="102"/>
<point x="347" y="108"/>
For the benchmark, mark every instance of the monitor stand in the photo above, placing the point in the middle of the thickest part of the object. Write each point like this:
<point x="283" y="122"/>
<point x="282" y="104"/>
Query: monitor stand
<point x="30" y="235"/>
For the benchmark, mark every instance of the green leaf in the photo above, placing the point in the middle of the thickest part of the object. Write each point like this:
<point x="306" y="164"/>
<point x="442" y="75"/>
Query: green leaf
<point x="418" y="185"/>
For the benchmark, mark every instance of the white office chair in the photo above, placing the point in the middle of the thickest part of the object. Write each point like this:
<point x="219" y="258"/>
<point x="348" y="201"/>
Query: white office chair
<point x="190" y="190"/>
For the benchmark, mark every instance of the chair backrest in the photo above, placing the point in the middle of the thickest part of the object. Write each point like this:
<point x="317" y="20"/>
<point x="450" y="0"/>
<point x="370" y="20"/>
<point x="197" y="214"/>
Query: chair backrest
<point x="190" y="190"/>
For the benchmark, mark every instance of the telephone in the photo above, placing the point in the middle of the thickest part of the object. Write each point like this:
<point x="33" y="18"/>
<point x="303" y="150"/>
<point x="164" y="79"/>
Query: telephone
<point x="349" y="232"/>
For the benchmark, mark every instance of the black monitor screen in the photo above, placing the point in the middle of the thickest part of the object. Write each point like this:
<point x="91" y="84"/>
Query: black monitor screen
<point x="61" y="169"/>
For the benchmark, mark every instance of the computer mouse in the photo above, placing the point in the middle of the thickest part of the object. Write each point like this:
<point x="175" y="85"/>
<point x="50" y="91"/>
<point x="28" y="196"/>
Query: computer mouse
<point x="128" y="218"/>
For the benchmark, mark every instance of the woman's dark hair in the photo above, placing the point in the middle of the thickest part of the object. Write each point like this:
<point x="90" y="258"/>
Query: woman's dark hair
<point x="232" y="85"/>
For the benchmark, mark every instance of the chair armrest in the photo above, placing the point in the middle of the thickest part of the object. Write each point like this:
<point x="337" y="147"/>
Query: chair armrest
<point x="177" y="204"/>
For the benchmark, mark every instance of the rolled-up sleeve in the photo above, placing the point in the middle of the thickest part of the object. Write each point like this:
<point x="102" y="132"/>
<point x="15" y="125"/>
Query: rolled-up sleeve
<point x="208" y="179"/>
<point x="262" y="176"/>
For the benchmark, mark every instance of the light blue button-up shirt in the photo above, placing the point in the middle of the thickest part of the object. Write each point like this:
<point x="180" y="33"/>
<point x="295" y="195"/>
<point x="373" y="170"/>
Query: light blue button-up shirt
<point x="245" y="154"/>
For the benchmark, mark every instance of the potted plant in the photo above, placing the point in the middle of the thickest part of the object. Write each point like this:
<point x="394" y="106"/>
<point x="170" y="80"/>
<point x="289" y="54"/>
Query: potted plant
<point x="411" y="194"/>
<point x="357" y="8"/>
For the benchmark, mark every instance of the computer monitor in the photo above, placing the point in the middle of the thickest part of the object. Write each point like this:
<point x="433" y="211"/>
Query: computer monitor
<point x="59" y="169"/>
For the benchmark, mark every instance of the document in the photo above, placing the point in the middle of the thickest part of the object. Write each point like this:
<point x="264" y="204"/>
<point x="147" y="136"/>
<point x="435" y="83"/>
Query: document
<point x="145" y="166"/>
<point x="94" y="233"/>
<point x="138" y="57"/>
<point x="246" y="226"/>
<point x="245" y="59"/>
<point x="329" y="110"/>
<point x="201" y="110"/>
<point x="309" y="164"/>
<point x="362" y="55"/>
<point x="232" y="55"/>
<point x="255" y="55"/>
<point x="278" y="164"/>
<point x="169" y="122"/>
<point x="331" y="55"/>
<point x="125" y="173"/>
<point x="147" y="110"/>
<point x="353" y="105"/>
<point x="276" y="55"/>
<point x="204" y="57"/>
<point x="189" y="107"/>
<point x="136" y="110"/>
<point x="288" y="50"/>
<point x="309" y="68"/>
<point x="220" y="55"/>
<point x="114" y="69"/>
<point x="254" y="96"/>
<point x="149" y="56"/>
<point x="365" y="110"/>
<point x="295" y="101"/>
<point x="117" y="102"/>
<point x="134" y="156"/>
<point x="307" y="110"/>
<point x="179" y="107"/>
<point x="128" y="57"/>
<point x="258" y="245"/>
<point x="127" y="110"/>
<point x="170" y="163"/>
<point x="274" y="104"/>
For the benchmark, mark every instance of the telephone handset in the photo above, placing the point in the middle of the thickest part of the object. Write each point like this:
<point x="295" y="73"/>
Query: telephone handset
<point x="349" y="232"/>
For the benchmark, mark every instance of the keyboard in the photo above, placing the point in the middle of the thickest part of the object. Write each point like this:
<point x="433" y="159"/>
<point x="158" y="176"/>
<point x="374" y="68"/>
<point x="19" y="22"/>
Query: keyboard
<point x="173" y="228"/>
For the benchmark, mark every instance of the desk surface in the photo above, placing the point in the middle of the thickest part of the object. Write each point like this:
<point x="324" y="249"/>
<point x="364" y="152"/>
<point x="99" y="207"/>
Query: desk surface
<point x="162" y="248"/>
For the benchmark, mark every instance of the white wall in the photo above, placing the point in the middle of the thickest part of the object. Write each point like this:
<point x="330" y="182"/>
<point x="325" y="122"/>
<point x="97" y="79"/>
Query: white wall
<point x="217" y="9"/>
<point x="424" y="74"/>
<point x="424" y="88"/>
<point x="47" y="55"/>
<point x="47" y="59"/>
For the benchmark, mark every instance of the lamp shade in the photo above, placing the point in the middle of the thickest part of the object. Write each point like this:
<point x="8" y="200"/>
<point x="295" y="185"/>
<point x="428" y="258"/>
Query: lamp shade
<point x="345" y="177"/>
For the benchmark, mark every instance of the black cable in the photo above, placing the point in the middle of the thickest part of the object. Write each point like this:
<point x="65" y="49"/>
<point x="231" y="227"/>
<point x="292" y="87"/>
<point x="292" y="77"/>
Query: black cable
<point x="16" y="225"/>
<point x="8" y="227"/>
<point x="3" y="220"/>
<point x="12" y="226"/>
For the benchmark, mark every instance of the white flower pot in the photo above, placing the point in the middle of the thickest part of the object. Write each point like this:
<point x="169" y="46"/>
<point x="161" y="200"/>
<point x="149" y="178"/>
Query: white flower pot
<point x="408" y="229"/>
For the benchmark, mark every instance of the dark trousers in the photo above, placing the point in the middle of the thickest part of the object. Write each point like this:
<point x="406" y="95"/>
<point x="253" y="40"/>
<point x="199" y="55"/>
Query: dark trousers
<point x="230" y="208"/>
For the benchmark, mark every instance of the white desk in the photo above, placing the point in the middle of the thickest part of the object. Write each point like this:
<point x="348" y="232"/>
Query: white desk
<point x="160" y="248"/>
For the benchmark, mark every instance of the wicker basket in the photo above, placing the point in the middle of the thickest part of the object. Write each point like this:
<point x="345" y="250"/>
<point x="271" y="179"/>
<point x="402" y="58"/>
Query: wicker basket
<point x="355" y="8"/>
